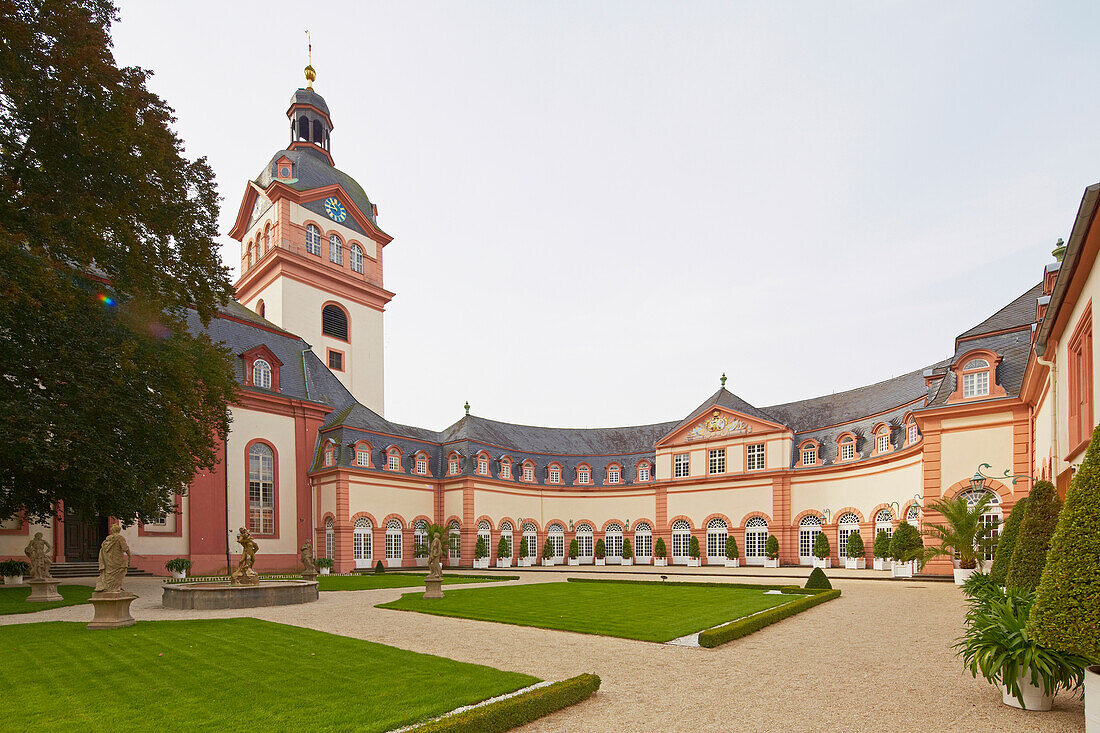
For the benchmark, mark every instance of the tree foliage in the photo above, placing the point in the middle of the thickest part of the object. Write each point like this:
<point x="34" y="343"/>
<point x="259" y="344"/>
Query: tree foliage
<point x="882" y="544"/>
<point x="962" y="534"/>
<point x="771" y="547"/>
<point x="1029" y="556"/>
<point x="108" y="401"/>
<point x="693" y="547"/>
<point x="601" y="549"/>
<point x="821" y="548"/>
<point x="854" y="546"/>
<point x="906" y="543"/>
<point x="732" y="553"/>
<point x="1002" y="559"/>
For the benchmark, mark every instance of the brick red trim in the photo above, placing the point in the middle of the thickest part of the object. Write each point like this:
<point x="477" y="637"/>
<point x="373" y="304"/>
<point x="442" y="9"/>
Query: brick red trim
<point x="142" y="532"/>
<point x="24" y="527"/>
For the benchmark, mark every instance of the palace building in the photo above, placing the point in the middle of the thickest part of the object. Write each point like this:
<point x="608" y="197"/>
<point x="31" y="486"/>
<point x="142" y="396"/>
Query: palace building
<point x="311" y="455"/>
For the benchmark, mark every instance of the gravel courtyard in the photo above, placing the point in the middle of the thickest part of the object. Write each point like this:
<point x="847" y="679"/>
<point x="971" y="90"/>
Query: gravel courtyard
<point x="877" y="658"/>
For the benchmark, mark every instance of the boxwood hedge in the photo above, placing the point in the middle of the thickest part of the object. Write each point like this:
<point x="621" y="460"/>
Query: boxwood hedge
<point x="743" y="627"/>
<point x="818" y="581"/>
<point x="1030" y="554"/>
<point x="1002" y="558"/>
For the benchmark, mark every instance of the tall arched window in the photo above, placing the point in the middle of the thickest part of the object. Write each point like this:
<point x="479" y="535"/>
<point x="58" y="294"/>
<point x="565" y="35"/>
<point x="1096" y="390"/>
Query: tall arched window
<point x="613" y="543"/>
<point x="261" y="309"/>
<point x="756" y="537"/>
<point x="681" y="532"/>
<point x="717" y="531"/>
<point x="643" y="542"/>
<point x="334" y="322"/>
<point x="484" y="532"/>
<point x="845" y="526"/>
<point x="975" y="378"/>
<point x="913" y="516"/>
<point x="584" y="543"/>
<point x="556" y="533"/>
<point x="261" y="374"/>
<point x="991" y="517"/>
<point x="884" y="521"/>
<point x="807" y="533"/>
<point x="882" y="440"/>
<point x="261" y="489"/>
<point x="847" y="450"/>
<point x="356" y="258"/>
<point x="530" y="533"/>
<point x="313" y="240"/>
<point x="393" y="542"/>
<point x="335" y="249"/>
<point x="420" y="537"/>
<point x="506" y="535"/>
<point x="267" y="239"/>
<point x="248" y="253"/>
<point x="455" y="540"/>
<point x="363" y="542"/>
<point x="330" y="538"/>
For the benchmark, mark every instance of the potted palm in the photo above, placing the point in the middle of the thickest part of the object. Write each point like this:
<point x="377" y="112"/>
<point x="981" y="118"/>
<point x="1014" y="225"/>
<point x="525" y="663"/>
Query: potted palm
<point x="855" y="556"/>
<point x="881" y="550"/>
<point x="628" y="552"/>
<point x="904" y="547"/>
<point x="733" y="555"/>
<point x="771" y="552"/>
<point x="178" y="566"/>
<point x="420" y="553"/>
<point x="601" y="552"/>
<point x="523" y="560"/>
<point x="693" y="551"/>
<point x="504" y="554"/>
<point x="962" y="536"/>
<point x="14" y="570"/>
<point x="324" y="564"/>
<point x="660" y="553"/>
<point x="822" y="550"/>
<point x="481" y="553"/>
<point x="573" y="552"/>
<point x="548" y="553"/>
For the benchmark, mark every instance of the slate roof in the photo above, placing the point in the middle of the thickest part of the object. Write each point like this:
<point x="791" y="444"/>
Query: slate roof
<point x="723" y="398"/>
<point x="1013" y="348"/>
<point x="1018" y="313"/>
<point x="557" y="441"/>
<point x="308" y="96"/>
<point x="312" y="171"/>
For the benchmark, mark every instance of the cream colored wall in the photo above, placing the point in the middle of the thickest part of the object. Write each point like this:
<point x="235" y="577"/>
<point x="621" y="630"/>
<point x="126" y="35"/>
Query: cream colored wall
<point x="1089" y="293"/>
<point x="382" y="498"/>
<point x="452" y="504"/>
<point x="152" y="544"/>
<point x="965" y="443"/>
<point x="278" y="430"/>
<point x="777" y="453"/>
<point x="861" y="488"/>
<point x="13" y="544"/>
<point x="565" y="506"/>
<point x="1042" y="435"/>
<point x="735" y="500"/>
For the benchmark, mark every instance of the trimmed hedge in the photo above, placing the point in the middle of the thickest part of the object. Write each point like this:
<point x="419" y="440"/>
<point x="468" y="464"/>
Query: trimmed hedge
<point x="711" y="638"/>
<point x="601" y="549"/>
<point x="906" y="543"/>
<point x="818" y="581"/>
<point x="481" y="549"/>
<point x="771" y="547"/>
<point x="693" y="547"/>
<point x="503" y="550"/>
<point x="573" y="551"/>
<point x="1066" y="614"/>
<point x="628" y="549"/>
<point x="1002" y="558"/>
<point x="1029" y="557"/>
<point x="751" y="586"/>
<point x="821" y="546"/>
<point x="659" y="548"/>
<point x="854" y="547"/>
<point x="881" y="548"/>
<point x="515" y="711"/>
<point x="732" y="553"/>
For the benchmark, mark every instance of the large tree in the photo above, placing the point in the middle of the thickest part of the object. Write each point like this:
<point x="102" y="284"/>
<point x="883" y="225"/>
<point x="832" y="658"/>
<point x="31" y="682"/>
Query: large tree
<point x="109" y="401"/>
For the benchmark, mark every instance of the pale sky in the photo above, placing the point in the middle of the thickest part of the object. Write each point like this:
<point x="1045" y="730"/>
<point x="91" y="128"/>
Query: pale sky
<point x="599" y="207"/>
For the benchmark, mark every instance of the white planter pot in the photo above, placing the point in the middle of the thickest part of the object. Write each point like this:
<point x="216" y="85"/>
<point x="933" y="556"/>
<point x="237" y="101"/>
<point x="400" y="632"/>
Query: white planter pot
<point x="693" y="562"/>
<point x="822" y="563"/>
<point x="660" y="562"/>
<point x="643" y="561"/>
<point x="771" y="563"/>
<point x="574" y="561"/>
<point x="960" y="578"/>
<point x="325" y="571"/>
<point x="901" y="569"/>
<point x="855" y="563"/>
<point x="628" y="561"/>
<point x="881" y="563"/>
<point x="736" y="562"/>
<point x="421" y="562"/>
<point x="600" y="562"/>
<point x="505" y="563"/>
<point x="393" y="562"/>
<point x="482" y="564"/>
<point x="1034" y="699"/>
<point x="548" y="563"/>
<point x="1092" y="699"/>
<point x="179" y="574"/>
<point x="13" y="580"/>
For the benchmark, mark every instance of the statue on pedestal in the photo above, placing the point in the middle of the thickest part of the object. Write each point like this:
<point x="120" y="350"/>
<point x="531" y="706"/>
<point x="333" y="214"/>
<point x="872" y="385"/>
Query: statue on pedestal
<point x="309" y="567"/>
<point x="244" y="574"/>
<point x="114" y="559"/>
<point x="434" y="582"/>
<point x="38" y="552"/>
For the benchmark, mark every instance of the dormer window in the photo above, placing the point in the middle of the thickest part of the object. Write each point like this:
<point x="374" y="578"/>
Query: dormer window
<point x="643" y="471"/>
<point x="613" y="474"/>
<point x="452" y="466"/>
<point x="912" y="435"/>
<point x="583" y="474"/>
<point x="975" y="376"/>
<point x="421" y="464"/>
<point x="847" y="447"/>
<point x="330" y="454"/>
<point x="393" y="459"/>
<point x="362" y="455"/>
<point x="313" y="240"/>
<point x="505" y="468"/>
<point x="528" y="472"/>
<point x="882" y="440"/>
<point x="809" y="454"/>
<point x="554" y="474"/>
<point x="483" y="465"/>
<point x="261" y="374"/>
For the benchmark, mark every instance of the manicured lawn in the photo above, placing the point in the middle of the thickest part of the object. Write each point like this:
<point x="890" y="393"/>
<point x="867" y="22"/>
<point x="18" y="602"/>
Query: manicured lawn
<point x="226" y="674"/>
<point x="398" y="580"/>
<point x="645" y="611"/>
<point x="14" y="599"/>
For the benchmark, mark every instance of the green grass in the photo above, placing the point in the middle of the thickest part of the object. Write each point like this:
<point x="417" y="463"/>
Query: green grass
<point x="226" y="674"/>
<point x="644" y="611"/>
<point x="398" y="580"/>
<point x="14" y="599"/>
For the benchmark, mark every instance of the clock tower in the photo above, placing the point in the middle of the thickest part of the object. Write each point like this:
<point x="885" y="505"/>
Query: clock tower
<point x="311" y="251"/>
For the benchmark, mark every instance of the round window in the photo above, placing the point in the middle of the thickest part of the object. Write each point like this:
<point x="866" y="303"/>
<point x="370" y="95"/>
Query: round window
<point x="284" y="172"/>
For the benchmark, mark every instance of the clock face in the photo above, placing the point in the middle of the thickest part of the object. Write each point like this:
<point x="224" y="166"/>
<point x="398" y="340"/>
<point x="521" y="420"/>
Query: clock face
<point x="335" y="209"/>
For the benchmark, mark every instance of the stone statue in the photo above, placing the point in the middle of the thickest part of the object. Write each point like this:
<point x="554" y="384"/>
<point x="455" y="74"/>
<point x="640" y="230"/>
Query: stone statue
<point x="114" y="559"/>
<point x="435" y="559"/>
<point x="308" y="565"/>
<point x="244" y="574"/>
<point x="38" y="552"/>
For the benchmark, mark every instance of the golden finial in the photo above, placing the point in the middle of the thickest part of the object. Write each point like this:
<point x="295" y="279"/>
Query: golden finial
<point x="311" y="74"/>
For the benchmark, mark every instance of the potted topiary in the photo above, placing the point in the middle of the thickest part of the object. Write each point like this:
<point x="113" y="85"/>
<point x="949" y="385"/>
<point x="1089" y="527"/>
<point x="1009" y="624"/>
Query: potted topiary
<point x="693" y="551"/>
<point x="481" y="553"/>
<point x="523" y="560"/>
<point x="14" y="570"/>
<point x="601" y="552"/>
<point x="855" y="556"/>
<point x="420" y="554"/>
<point x="881" y="550"/>
<point x="1010" y="530"/>
<point x="1029" y="556"/>
<point x="822" y="551"/>
<point x="733" y="555"/>
<point x="904" y="546"/>
<point x="1066" y="615"/>
<point x="628" y="552"/>
<point x="660" y="553"/>
<point x="548" y="553"/>
<point x="963" y="536"/>
<point x="573" y="552"/>
<point x="771" y="552"/>
<point x="504" y="554"/>
<point x="324" y="564"/>
<point x="178" y="566"/>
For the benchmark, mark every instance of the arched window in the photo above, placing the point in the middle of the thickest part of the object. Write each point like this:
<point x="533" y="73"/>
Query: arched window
<point x="807" y="533"/>
<point x="482" y="464"/>
<point x="553" y="473"/>
<point x="330" y="539"/>
<point x="420" y="537"/>
<point x="681" y="532"/>
<point x="318" y="132"/>
<point x="261" y="309"/>
<point x="991" y="517"/>
<point x="454" y="549"/>
<point x="357" y="258"/>
<point x="334" y="322"/>
<point x="584" y="474"/>
<point x="261" y="489"/>
<point x="363" y="543"/>
<point x="362" y="455"/>
<point x="847" y="447"/>
<point x="335" y="249"/>
<point x="643" y="471"/>
<point x="393" y="459"/>
<point x="484" y="532"/>
<point x="393" y="541"/>
<point x="614" y="473"/>
<point x="556" y="533"/>
<point x="248" y="253"/>
<point x="531" y="535"/>
<point x="303" y="128"/>
<point x="261" y="374"/>
<point x="756" y="536"/>
<point x="505" y="468"/>
<point x="912" y="435"/>
<point x="643" y="541"/>
<point x="845" y="526"/>
<point x="975" y="378"/>
<point x="422" y="463"/>
<point x="267" y="238"/>
<point x="884" y="521"/>
<point x="717" y="531"/>
<point x="313" y="240"/>
<point x="330" y="453"/>
<point x="882" y="440"/>
<point x="506" y="535"/>
<point x="613" y="543"/>
<point x="584" y="542"/>
<point x="808" y="453"/>
<point x="913" y="516"/>
<point x="452" y="464"/>
<point x="528" y="471"/>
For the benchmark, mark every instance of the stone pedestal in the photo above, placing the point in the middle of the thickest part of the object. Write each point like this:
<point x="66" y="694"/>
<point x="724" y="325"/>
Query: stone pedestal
<point x="246" y="577"/>
<point x="112" y="610"/>
<point x="310" y="575"/>
<point x="433" y="588"/>
<point x="44" y="590"/>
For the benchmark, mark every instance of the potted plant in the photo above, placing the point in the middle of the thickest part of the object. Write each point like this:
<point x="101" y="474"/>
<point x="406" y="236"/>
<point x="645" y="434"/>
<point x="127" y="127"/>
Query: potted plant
<point x="601" y="552"/>
<point x="1066" y="614"/>
<point x="178" y="566"/>
<point x="548" y="553"/>
<point x="904" y="546"/>
<point x="628" y="552"/>
<point x="573" y="552"/>
<point x="733" y="555"/>
<point x="881" y="550"/>
<point x="14" y="570"/>
<point x="523" y="560"/>
<point x="324" y="564"/>
<point x="693" y="551"/>
<point x="420" y="553"/>
<point x="660" y="553"/>
<point x="481" y="553"/>
<point x="822" y="550"/>
<point x="962" y="536"/>
<point x="504" y="554"/>
<point x="854" y="552"/>
<point x="1006" y="543"/>
<point x="1029" y="556"/>
<point x="771" y="552"/>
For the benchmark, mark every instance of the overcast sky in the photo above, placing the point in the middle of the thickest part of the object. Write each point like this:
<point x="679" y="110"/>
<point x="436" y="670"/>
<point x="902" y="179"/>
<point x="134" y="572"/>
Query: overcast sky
<point x="599" y="207"/>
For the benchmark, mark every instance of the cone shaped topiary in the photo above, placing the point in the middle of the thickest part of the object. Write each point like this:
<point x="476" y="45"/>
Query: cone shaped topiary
<point x="601" y="549"/>
<point x="524" y="550"/>
<point x="854" y="547"/>
<point x="379" y="568"/>
<point x="882" y="544"/>
<point x="1002" y="559"/>
<point x="503" y="550"/>
<point x="1029" y="557"/>
<point x="693" y="547"/>
<point x="628" y="549"/>
<point x="906" y="542"/>
<point x="821" y="546"/>
<point x="818" y="580"/>
<point x="732" y="552"/>
<point x="1066" y="614"/>
<point x="771" y="547"/>
<point x="547" y="549"/>
<point x="481" y="549"/>
<point x="573" y="551"/>
<point x="659" y="548"/>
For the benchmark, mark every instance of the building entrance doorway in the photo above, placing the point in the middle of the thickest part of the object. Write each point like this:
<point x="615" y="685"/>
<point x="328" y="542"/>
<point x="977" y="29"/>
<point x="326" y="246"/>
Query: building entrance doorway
<point x="83" y="538"/>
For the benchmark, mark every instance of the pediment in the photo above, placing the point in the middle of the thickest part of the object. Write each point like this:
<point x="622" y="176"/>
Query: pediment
<point x="718" y="423"/>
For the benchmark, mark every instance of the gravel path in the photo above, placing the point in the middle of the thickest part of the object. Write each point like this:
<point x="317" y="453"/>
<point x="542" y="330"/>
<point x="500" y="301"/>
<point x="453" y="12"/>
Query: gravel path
<point x="878" y="658"/>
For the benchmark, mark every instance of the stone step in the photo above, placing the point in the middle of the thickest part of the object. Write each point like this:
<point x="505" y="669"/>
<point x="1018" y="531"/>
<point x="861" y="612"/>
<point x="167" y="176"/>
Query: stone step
<point x="88" y="570"/>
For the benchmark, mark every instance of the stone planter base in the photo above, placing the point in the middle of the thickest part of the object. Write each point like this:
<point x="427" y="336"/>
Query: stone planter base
<point x="855" y="563"/>
<point x="504" y="563"/>
<point x="902" y="569"/>
<point x="660" y="562"/>
<point x="733" y="563"/>
<point x="1034" y="699"/>
<point x="112" y="610"/>
<point x="574" y="561"/>
<point x="179" y="574"/>
<point x="770" y="563"/>
<point x="433" y="588"/>
<point x="44" y="591"/>
<point x="13" y="580"/>
<point x="1092" y="699"/>
<point x="881" y="563"/>
<point x="482" y="564"/>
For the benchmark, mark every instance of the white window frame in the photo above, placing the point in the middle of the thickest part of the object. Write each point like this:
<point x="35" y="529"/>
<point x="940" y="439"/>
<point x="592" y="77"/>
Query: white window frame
<point x="505" y="469"/>
<point x="884" y="520"/>
<point x="643" y="472"/>
<point x="528" y="473"/>
<point x="681" y="465"/>
<point x="716" y="460"/>
<point x="422" y="466"/>
<point x="845" y="527"/>
<point x="362" y="542"/>
<point x="554" y="475"/>
<point x="717" y="532"/>
<point x="261" y="489"/>
<point x="809" y="456"/>
<point x="393" y="540"/>
<point x="848" y="450"/>
<point x="883" y="441"/>
<point x="335" y="249"/>
<point x="556" y="533"/>
<point x="585" y="547"/>
<point x="313" y="240"/>
<point x="613" y="544"/>
<point x="976" y="384"/>
<point x="755" y="457"/>
<point x="454" y="541"/>
<point x="356" y="258"/>
<point x="393" y="461"/>
<point x="681" y="537"/>
<point x="756" y="537"/>
<point x="261" y="374"/>
<point x="643" y="542"/>
<point x="362" y="456"/>
<point x="452" y="466"/>
<point x="913" y="434"/>
<point x="613" y="474"/>
<point x="330" y="539"/>
<point x="583" y="476"/>
<point x="531" y="535"/>
<point x="808" y="529"/>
